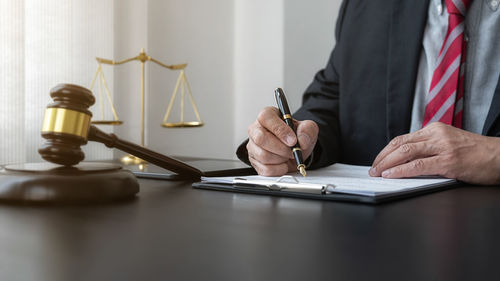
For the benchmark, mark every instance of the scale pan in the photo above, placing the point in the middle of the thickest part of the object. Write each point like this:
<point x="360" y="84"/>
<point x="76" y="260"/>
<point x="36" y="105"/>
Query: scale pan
<point x="182" y="124"/>
<point x="107" y="122"/>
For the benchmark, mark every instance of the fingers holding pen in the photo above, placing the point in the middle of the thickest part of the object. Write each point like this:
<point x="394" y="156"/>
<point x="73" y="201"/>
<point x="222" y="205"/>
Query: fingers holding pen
<point x="264" y="156"/>
<point x="272" y="170"/>
<point x="271" y="139"/>
<point x="307" y="134"/>
<point x="260" y="137"/>
<point x="270" y="119"/>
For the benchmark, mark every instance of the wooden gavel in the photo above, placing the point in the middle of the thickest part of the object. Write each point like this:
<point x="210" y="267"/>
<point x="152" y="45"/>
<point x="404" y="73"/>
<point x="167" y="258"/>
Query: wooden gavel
<point x="66" y="126"/>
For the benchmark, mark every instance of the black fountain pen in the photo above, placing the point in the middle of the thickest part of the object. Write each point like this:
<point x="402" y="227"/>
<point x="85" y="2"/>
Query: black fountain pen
<point x="287" y="117"/>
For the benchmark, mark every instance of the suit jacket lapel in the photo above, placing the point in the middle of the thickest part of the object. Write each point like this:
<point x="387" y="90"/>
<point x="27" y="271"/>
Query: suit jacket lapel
<point x="494" y="112"/>
<point x="406" y="33"/>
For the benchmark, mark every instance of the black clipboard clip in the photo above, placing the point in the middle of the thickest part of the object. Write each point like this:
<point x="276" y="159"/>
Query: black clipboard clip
<point x="286" y="183"/>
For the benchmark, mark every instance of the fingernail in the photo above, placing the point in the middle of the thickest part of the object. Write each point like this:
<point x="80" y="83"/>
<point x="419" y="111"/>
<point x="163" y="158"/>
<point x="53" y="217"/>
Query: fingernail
<point x="290" y="140"/>
<point x="386" y="173"/>
<point x="372" y="171"/>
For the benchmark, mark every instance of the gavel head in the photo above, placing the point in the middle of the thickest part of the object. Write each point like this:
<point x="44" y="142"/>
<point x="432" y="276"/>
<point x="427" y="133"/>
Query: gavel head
<point x="66" y="124"/>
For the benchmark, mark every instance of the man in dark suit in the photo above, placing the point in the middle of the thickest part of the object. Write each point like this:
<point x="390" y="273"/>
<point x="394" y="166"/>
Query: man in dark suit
<point x="372" y="103"/>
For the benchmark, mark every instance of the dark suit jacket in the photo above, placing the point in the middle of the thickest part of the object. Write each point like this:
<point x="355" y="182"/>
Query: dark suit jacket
<point x="363" y="97"/>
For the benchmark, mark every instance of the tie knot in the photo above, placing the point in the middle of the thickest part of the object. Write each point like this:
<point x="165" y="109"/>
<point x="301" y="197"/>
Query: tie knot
<point x="458" y="7"/>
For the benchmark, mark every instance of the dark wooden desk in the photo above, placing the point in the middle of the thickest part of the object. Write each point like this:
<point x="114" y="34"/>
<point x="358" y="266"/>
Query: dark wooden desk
<point x="173" y="232"/>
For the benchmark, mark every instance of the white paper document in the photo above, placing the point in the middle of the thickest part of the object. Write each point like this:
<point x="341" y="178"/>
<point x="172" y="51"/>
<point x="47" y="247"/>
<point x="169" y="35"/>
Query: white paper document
<point x="337" y="178"/>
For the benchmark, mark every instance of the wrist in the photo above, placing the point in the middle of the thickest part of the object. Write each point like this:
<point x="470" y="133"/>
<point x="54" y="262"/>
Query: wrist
<point x="496" y="145"/>
<point x="493" y="150"/>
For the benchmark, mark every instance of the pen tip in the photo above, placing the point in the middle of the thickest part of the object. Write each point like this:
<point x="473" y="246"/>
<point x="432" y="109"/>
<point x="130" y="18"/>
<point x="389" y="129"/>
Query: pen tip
<point x="302" y="171"/>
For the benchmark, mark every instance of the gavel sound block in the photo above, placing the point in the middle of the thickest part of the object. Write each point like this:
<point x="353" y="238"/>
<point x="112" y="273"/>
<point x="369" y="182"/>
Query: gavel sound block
<point x="66" y="127"/>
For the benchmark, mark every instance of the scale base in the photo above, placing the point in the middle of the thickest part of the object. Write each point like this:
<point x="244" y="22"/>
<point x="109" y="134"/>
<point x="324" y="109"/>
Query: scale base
<point x="50" y="183"/>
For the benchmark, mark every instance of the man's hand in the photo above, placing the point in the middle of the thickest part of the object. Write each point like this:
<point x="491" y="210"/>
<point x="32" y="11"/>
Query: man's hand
<point x="440" y="149"/>
<point x="270" y="140"/>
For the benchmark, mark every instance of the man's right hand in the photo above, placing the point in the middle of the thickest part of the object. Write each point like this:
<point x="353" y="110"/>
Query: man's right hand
<point x="270" y="142"/>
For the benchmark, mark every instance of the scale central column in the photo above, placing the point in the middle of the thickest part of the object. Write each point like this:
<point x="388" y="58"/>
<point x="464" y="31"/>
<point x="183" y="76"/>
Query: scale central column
<point x="142" y="102"/>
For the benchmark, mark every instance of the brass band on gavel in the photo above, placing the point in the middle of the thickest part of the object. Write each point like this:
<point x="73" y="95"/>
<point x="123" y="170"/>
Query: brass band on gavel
<point x="66" y="124"/>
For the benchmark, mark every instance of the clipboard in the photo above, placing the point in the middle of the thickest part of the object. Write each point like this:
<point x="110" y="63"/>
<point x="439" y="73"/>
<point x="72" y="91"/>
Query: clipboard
<point x="290" y="186"/>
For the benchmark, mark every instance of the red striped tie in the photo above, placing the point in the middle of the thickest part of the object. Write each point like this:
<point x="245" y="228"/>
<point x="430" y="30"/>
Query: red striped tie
<point x="445" y="98"/>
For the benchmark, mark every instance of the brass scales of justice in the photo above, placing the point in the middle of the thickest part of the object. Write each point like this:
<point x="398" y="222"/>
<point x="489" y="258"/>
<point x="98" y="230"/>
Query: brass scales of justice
<point x="181" y="83"/>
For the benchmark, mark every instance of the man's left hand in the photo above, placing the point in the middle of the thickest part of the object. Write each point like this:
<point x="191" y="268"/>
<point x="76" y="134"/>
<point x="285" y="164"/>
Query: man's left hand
<point x="440" y="149"/>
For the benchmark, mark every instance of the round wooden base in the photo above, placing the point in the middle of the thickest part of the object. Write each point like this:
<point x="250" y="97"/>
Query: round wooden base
<point x="50" y="183"/>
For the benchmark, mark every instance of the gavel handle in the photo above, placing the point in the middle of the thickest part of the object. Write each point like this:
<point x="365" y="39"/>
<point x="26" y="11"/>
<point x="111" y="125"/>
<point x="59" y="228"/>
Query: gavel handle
<point x="150" y="156"/>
